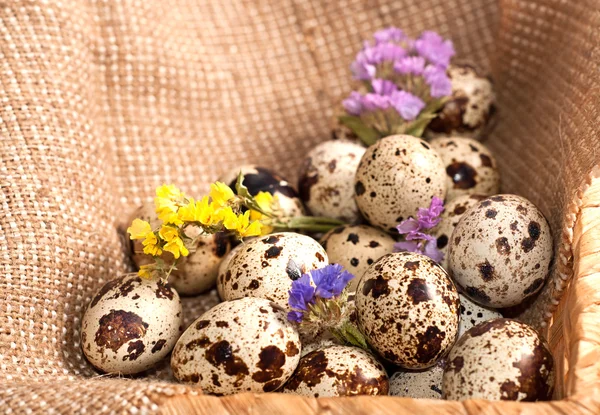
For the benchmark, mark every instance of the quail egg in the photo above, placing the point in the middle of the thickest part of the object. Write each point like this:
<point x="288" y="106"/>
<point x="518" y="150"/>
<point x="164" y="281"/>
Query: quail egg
<point x="265" y="267"/>
<point x="418" y="384"/>
<point x="408" y="309"/>
<point x="453" y="211"/>
<point x="130" y="325"/>
<point x="326" y="180"/>
<point x="500" y="359"/>
<point x="470" y="167"/>
<point x="396" y="176"/>
<point x="260" y="179"/>
<point x="338" y="371"/>
<point x="471" y="314"/>
<point x="223" y="267"/>
<point x="470" y="110"/>
<point x="246" y="345"/>
<point x="356" y="248"/>
<point x="500" y="251"/>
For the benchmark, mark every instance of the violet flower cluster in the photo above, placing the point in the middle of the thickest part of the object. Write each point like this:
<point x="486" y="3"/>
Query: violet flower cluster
<point x="416" y="240"/>
<point x="404" y="77"/>
<point x="326" y="283"/>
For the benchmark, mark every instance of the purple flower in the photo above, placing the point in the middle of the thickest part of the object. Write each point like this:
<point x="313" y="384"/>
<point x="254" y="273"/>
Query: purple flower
<point x="391" y="34"/>
<point x="435" y="49"/>
<point x="373" y="102"/>
<point x="438" y="81"/>
<point x="416" y="240"/>
<point x="295" y="316"/>
<point x="408" y="105"/>
<point x="364" y="67"/>
<point x="410" y="65"/>
<point x="302" y="293"/>
<point x="353" y="104"/>
<point x="383" y="86"/>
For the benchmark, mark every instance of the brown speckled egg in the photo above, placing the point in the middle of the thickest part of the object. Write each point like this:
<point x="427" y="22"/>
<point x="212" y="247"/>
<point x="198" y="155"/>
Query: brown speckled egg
<point x="338" y="371"/>
<point x="326" y="179"/>
<point x="130" y="325"/>
<point x="260" y="179"/>
<point x="469" y="110"/>
<point x="356" y="248"/>
<point x="408" y="308"/>
<point x="500" y="359"/>
<point x="500" y="251"/>
<point x="472" y="314"/>
<point x="418" y="384"/>
<point x="396" y="176"/>
<point x="246" y="345"/>
<point x="453" y="211"/>
<point x="470" y="167"/>
<point x="265" y="267"/>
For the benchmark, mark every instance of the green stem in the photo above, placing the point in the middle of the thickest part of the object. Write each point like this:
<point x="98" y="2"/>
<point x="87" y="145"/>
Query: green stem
<point x="350" y="335"/>
<point x="310" y="223"/>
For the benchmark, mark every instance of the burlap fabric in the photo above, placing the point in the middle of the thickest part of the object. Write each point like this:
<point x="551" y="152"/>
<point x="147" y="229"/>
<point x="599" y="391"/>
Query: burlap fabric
<point x="103" y="100"/>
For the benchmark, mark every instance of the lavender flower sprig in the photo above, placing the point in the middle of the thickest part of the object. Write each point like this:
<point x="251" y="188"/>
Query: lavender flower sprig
<point x="416" y="240"/>
<point x="406" y="84"/>
<point x="319" y="302"/>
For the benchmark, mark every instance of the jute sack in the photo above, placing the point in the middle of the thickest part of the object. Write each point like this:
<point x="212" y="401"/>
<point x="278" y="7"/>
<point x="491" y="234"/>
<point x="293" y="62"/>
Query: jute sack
<point x="103" y="100"/>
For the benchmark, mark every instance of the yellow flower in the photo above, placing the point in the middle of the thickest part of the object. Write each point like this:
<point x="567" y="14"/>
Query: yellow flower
<point x="200" y="211"/>
<point x="220" y="194"/>
<point x="168" y="200"/>
<point x="245" y="227"/>
<point x="264" y="201"/>
<point x="139" y="229"/>
<point x="151" y="245"/>
<point x="228" y="217"/>
<point x="146" y="271"/>
<point x="174" y="244"/>
<point x="169" y="192"/>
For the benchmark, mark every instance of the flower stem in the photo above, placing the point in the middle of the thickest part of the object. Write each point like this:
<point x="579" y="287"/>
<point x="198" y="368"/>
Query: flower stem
<point x="310" y="223"/>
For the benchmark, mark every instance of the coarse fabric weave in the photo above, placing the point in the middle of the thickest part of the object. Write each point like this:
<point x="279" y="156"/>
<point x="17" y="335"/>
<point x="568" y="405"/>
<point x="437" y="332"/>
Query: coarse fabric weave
<point x="101" y="101"/>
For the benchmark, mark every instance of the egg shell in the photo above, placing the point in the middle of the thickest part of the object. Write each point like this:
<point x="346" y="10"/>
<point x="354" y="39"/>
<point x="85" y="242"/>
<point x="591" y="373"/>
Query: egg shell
<point x="471" y="167"/>
<point x="418" y="384"/>
<point x="500" y="251"/>
<point x="470" y="110"/>
<point x="356" y="248"/>
<point x="472" y="314"/>
<point x="321" y="341"/>
<point x="260" y="179"/>
<point x="223" y="267"/>
<point x="408" y="308"/>
<point x="326" y="179"/>
<point x="396" y="176"/>
<point x="453" y="211"/>
<point x="195" y="273"/>
<point x="246" y="345"/>
<point x="130" y="325"/>
<point x="338" y="371"/>
<point x="265" y="267"/>
<point x="500" y="359"/>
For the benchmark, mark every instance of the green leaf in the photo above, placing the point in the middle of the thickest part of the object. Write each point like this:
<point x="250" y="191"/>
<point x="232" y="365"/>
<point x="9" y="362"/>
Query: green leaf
<point x="351" y="335"/>
<point x="240" y="189"/>
<point x="368" y="135"/>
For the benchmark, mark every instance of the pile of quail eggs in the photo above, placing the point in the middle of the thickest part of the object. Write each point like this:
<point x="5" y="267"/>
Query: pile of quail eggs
<point x="435" y="330"/>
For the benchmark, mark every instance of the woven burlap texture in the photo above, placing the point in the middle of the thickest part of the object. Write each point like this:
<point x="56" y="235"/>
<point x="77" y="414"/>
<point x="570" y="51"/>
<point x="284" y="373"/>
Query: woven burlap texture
<point x="103" y="100"/>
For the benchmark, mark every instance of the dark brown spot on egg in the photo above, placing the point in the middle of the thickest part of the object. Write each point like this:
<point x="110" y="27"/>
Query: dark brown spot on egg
<point x="221" y="354"/>
<point x="273" y="252"/>
<point x="228" y="276"/>
<point x="105" y="288"/>
<point x="377" y="287"/>
<point x="215" y="379"/>
<point x="235" y="286"/>
<point x="331" y="166"/>
<point x="222" y="243"/>
<point x="158" y="346"/>
<point x="482" y="328"/>
<point x="373" y="244"/>
<point x="462" y="175"/>
<point x="319" y="256"/>
<point x="457" y="240"/>
<point x="522" y="209"/>
<point x="310" y="371"/>
<point x="222" y="324"/>
<point x="411" y="265"/>
<point x="472" y="147"/>
<point x="513" y="225"/>
<point x="125" y="288"/>
<point x="418" y="291"/>
<point x="359" y="188"/>
<point x="534" y="231"/>
<point x="502" y="246"/>
<point x="478" y="295"/>
<point x="457" y="364"/>
<point x="254" y="284"/>
<point x="271" y="240"/>
<point x="271" y="361"/>
<point x="486" y="270"/>
<point x="491" y="213"/>
<point x="460" y="209"/>
<point x="291" y="349"/>
<point x="509" y="391"/>
<point x="486" y="161"/>
<point x="353" y="238"/>
<point x="425" y="145"/>
<point x="119" y="327"/>
<point x="442" y="241"/>
<point x="355" y="382"/>
<point x="535" y="285"/>
<point x="354" y="262"/>
<point x="429" y="344"/>
<point x="202" y="342"/>
<point x="202" y="324"/>
<point x="134" y="350"/>
<point x="164" y="291"/>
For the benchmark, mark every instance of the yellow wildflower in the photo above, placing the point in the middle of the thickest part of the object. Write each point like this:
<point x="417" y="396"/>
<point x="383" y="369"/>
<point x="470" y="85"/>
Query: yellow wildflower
<point x="264" y="201"/>
<point x="220" y="194"/>
<point x="197" y="211"/>
<point x="245" y="227"/>
<point x="174" y="244"/>
<point x="168" y="200"/>
<point x="146" y="271"/>
<point x="228" y="217"/>
<point x="151" y="245"/>
<point x="139" y="229"/>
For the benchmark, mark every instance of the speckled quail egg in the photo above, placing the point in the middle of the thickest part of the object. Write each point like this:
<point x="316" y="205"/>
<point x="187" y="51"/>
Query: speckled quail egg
<point x="338" y="371"/>
<point x="408" y="309"/>
<point x="265" y="267"/>
<point x="418" y="384"/>
<point x="356" y="248"/>
<point x="245" y="345"/>
<point x="470" y="110"/>
<point x="500" y="251"/>
<point x="453" y="211"/>
<point x="223" y="267"/>
<point x="500" y="359"/>
<point x="260" y="179"/>
<point x="130" y="325"/>
<point x="470" y="167"/>
<point x="471" y="314"/>
<point x="396" y="176"/>
<point x="195" y="273"/>
<point x="326" y="179"/>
